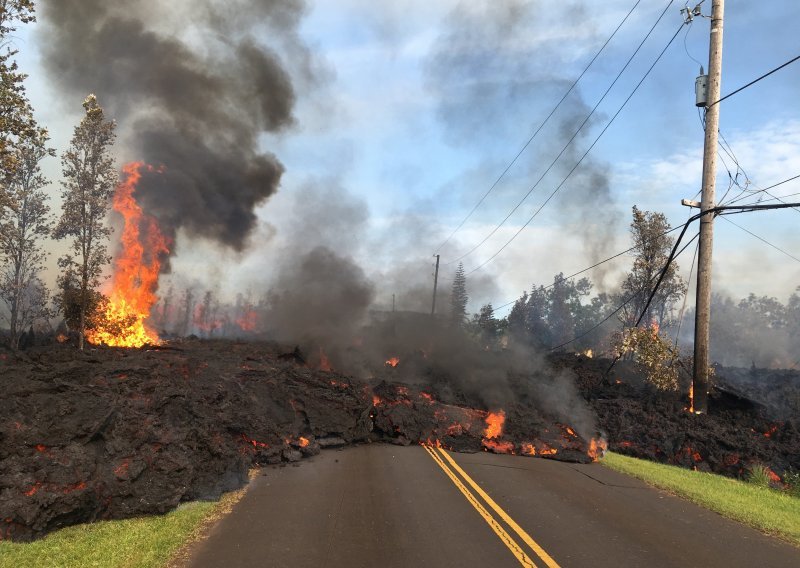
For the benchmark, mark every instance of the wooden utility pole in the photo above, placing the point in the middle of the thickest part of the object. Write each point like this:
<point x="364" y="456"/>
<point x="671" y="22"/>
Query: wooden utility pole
<point x="703" y="309"/>
<point x="435" y="284"/>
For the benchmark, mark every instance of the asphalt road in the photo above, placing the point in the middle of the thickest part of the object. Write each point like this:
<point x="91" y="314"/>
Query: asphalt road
<point x="387" y="506"/>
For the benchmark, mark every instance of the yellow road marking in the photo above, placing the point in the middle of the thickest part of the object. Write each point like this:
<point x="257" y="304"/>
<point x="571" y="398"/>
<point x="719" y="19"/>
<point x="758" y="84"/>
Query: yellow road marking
<point x="503" y="515"/>
<point x="506" y="538"/>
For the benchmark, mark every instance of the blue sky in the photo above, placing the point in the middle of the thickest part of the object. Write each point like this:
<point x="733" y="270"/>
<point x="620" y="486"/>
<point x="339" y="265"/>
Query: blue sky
<point x="420" y="105"/>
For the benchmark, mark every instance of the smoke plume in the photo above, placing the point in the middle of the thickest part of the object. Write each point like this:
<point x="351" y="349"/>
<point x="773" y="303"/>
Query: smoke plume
<point x="192" y="89"/>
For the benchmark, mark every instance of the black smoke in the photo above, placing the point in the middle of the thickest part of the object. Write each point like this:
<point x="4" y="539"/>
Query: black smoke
<point x="193" y="87"/>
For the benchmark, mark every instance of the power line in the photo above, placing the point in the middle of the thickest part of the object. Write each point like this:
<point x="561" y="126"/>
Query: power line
<point x="754" y="81"/>
<point x="569" y="142"/>
<point x="763" y="240"/>
<point x="628" y="300"/>
<point x="578" y="163"/>
<point x="587" y="269"/>
<point x="536" y="132"/>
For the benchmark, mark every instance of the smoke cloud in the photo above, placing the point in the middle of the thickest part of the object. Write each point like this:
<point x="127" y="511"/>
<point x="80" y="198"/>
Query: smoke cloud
<point x="497" y="70"/>
<point x="192" y="90"/>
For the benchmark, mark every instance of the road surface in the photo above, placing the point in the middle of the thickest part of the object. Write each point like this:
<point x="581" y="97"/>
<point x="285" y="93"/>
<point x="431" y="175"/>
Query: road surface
<point x="387" y="506"/>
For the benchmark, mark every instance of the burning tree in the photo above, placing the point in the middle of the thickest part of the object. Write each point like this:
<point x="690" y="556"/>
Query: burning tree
<point x="21" y="234"/>
<point x="90" y="177"/>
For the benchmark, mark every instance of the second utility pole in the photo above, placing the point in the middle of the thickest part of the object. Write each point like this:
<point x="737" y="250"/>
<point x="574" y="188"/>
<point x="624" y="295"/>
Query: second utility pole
<point x="703" y="309"/>
<point x="435" y="284"/>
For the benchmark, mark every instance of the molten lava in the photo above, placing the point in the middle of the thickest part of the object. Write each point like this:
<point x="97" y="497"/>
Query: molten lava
<point x="136" y="270"/>
<point x="392" y="362"/>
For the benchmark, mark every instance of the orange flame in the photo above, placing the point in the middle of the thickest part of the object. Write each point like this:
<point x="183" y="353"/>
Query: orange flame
<point x="303" y="442"/>
<point x="248" y="320"/>
<point x="494" y="424"/>
<point x="136" y="270"/>
<point x="597" y="448"/>
<point x="392" y="362"/>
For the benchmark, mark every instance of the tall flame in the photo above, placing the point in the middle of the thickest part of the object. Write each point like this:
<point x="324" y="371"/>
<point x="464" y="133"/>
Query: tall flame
<point x="136" y="270"/>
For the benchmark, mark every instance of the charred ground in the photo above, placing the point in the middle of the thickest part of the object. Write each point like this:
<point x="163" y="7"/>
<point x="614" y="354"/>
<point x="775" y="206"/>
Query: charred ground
<point x="114" y="433"/>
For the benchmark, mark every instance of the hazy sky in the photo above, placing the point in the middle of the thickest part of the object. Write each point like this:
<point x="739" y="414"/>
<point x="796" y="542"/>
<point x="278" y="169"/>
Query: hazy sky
<point x="418" y="107"/>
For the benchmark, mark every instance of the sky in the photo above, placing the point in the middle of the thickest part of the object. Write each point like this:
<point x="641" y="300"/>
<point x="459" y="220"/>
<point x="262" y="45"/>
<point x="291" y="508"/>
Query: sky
<point x="416" y="107"/>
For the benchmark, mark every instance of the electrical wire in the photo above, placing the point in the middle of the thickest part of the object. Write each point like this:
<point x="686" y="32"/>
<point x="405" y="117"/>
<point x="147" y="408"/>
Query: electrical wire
<point x="536" y="132"/>
<point x="765" y="241"/>
<point x="686" y="296"/>
<point x="578" y="163"/>
<point x="574" y="136"/>
<point x="628" y="300"/>
<point x="754" y="81"/>
<point x="587" y="269"/>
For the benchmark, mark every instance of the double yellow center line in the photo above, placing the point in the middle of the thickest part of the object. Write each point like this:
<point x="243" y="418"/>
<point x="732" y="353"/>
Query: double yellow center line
<point x="456" y="474"/>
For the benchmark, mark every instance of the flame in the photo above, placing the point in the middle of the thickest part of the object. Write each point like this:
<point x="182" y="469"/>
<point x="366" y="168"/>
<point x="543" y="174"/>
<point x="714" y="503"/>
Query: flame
<point x="61" y="338"/>
<point x="136" y="270"/>
<point x="376" y="400"/>
<point x="528" y="449"/>
<point x="691" y="397"/>
<point x="588" y="353"/>
<point x="654" y="328"/>
<point x="773" y="476"/>
<point x="302" y="442"/>
<point x="547" y="450"/>
<point x="392" y="362"/>
<point x="771" y="431"/>
<point x="248" y="320"/>
<point x="597" y="448"/>
<point x="494" y="424"/>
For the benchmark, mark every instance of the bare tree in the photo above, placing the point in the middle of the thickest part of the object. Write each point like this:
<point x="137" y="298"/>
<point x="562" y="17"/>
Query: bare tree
<point x="22" y="230"/>
<point x="90" y="178"/>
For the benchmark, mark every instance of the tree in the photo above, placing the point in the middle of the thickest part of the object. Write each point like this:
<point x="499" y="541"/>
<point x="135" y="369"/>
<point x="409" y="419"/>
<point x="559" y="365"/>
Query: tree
<point x="16" y="115"/>
<point x="90" y="178"/>
<point x="652" y="247"/>
<point x="459" y="298"/>
<point x="21" y="232"/>
<point x="488" y="325"/>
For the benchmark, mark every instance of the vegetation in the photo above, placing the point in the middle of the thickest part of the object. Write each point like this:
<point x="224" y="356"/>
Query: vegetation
<point x="770" y="511"/>
<point x="22" y="231"/>
<point x="459" y="298"/>
<point x="146" y="542"/>
<point x="652" y="247"/>
<point x="90" y="178"/>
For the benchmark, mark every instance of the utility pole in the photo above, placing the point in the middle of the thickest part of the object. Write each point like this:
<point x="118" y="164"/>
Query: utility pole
<point x="703" y="309"/>
<point x="435" y="284"/>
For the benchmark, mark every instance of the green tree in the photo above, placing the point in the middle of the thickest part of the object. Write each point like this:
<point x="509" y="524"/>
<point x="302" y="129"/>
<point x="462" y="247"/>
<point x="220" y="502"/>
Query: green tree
<point x="651" y="249"/>
<point x="90" y="178"/>
<point x="488" y="325"/>
<point x="459" y="298"/>
<point x="16" y="115"/>
<point x="22" y="231"/>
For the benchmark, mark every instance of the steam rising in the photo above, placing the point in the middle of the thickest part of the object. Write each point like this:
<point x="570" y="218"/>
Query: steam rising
<point x="194" y="98"/>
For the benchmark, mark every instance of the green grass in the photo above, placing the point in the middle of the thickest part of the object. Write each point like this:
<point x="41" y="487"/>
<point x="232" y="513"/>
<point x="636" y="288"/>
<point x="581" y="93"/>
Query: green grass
<point x="770" y="511"/>
<point x="143" y="542"/>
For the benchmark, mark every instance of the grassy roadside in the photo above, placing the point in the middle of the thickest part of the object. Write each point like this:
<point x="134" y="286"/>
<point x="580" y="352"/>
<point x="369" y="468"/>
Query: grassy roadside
<point x="764" y="509"/>
<point x="143" y="542"/>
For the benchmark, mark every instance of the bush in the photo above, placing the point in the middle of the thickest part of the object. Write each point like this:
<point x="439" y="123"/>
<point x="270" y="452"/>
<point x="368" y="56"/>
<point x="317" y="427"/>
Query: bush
<point x="792" y="479"/>
<point x="759" y="476"/>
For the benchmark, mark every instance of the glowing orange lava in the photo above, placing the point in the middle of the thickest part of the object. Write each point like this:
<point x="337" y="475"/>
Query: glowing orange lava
<point x="248" y="320"/>
<point x="392" y="362"/>
<point x="136" y="270"/>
